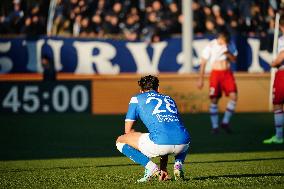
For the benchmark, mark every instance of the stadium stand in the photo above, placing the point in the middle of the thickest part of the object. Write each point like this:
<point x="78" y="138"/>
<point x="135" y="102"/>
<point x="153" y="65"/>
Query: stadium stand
<point x="137" y="20"/>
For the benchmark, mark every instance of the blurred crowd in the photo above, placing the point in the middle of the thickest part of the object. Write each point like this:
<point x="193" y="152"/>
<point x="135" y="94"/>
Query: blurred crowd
<point x="148" y="20"/>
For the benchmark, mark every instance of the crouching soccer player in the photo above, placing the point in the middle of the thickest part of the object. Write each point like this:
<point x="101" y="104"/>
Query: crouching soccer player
<point x="167" y="134"/>
<point x="278" y="91"/>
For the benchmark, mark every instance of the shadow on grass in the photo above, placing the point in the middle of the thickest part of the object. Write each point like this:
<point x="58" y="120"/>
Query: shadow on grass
<point x="126" y="165"/>
<point x="239" y="176"/>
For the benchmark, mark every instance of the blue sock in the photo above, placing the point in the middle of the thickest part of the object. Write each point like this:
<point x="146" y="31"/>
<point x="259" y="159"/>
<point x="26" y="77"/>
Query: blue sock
<point x="181" y="156"/>
<point x="133" y="154"/>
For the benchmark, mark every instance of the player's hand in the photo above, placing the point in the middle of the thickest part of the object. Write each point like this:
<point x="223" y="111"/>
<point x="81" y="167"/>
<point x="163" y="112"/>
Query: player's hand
<point x="200" y="84"/>
<point x="274" y="65"/>
<point x="164" y="176"/>
<point x="227" y="53"/>
<point x="131" y="131"/>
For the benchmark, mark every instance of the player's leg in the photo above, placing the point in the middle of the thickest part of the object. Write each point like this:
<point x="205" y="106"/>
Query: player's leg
<point x="214" y="114"/>
<point x="164" y="162"/>
<point x="128" y="144"/>
<point x="163" y="167"/>
<point x="230" y="109"/>
<point x="278" y="123"/>
<point x="214" y="93"/>
<point x="131" y="139"/>
<point x="181" y="151"/>
<point x="230" y="88"/>
<point x="278" y="99"/>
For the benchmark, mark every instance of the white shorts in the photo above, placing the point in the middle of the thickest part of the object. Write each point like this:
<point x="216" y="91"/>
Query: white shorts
<point x="150" y="149"/>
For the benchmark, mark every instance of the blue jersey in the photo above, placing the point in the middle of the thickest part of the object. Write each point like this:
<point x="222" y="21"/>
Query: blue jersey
<point x="160" y="115"/>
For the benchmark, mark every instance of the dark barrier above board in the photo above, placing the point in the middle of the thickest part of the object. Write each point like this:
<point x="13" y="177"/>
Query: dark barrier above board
<point x="45" y="97"/>
<point x="89" y="56"/>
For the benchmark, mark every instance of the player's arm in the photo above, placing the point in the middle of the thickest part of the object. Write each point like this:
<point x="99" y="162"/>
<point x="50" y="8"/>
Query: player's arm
<point x="128" y="127"/>
<point x="230" y="56"/>
<point x="279" y="59"/>
<point x="232" y="52"/>
<point x="201" y="73"/>
<point x="131" y="115"/>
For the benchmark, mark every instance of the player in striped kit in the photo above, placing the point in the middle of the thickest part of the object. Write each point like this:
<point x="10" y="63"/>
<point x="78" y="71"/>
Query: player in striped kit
<point x="219" y="53"/>
<point x="278" y="91"/>
<point x="167" y="134"/>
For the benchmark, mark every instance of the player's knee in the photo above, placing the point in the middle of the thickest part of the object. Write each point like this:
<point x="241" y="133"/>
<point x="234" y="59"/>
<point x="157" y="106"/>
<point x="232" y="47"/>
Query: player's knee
<point x="234" y="97"/>
<point x="214" y="100"/>
<point x="120" y="139"/>
<point x="277" y="107"/>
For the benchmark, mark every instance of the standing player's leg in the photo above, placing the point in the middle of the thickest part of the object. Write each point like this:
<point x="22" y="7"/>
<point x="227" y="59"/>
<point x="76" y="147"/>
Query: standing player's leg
<point x="230" y="109"/>
<point x="128" y="145"/>
<point x="215" y="94"/>
<point x="214" y="115"/>
<point x="230" y="88"/>
<point x="278" y="99"/>
<point x="278" y="123"/>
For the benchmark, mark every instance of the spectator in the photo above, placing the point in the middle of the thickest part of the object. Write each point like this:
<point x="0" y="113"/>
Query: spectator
<point x="171" y="19"/>
<point x="96" y="24"/>
<point x="210" y="26"/>
<point x="77" y="25"/>
<point x="130" y="28"/>
<point x="13" y="22"/>
<point x="86" y="30"/>
<point x="65" y="28"/>
<point x="49" y="73"/>
<point x="218" y="17"/>
<point x="198" y="18"/>
<point x="34" y="23"/>
<point x="110" y="25"/>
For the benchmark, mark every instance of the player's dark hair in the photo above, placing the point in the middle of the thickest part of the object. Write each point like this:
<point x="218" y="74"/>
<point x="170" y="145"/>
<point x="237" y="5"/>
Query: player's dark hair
<point x="149" y="82"/>
<point x="225" y="35"/>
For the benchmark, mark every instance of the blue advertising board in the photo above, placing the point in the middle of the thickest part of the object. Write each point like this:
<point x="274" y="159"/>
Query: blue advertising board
<point x="94" y="56"/>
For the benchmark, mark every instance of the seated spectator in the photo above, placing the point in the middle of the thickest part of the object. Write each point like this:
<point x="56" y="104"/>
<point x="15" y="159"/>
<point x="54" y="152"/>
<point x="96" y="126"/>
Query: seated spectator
<point x="76" y="28"/>
<point x="130" y="28"/>
<point x="86" y="29"/>
<point x="218" y="17"/>
<point x="13" y="22"/>
<point x="198" y="18"/>
<point x="110" y="25"/>
<point x="210" y="27"/>
<point x="96" y="24"/>
<point x="65" y="28"/>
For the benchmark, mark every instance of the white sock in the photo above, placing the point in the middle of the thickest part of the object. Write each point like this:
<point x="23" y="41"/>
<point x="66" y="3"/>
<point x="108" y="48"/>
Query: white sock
<point x="178" y="165"/>
<point x="151" y="166"/>
<point x="214" y="115"/>
<point x="231" y="106"/>
<point x="278" y="122"/>
<point x="119" y="146"/>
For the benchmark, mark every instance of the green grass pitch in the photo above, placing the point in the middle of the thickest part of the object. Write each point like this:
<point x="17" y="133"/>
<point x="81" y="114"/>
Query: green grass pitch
<point x="78" y="151"/>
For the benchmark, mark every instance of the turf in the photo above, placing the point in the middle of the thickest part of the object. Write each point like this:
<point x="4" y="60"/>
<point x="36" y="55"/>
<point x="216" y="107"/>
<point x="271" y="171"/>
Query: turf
<point x="78" y="151"/>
